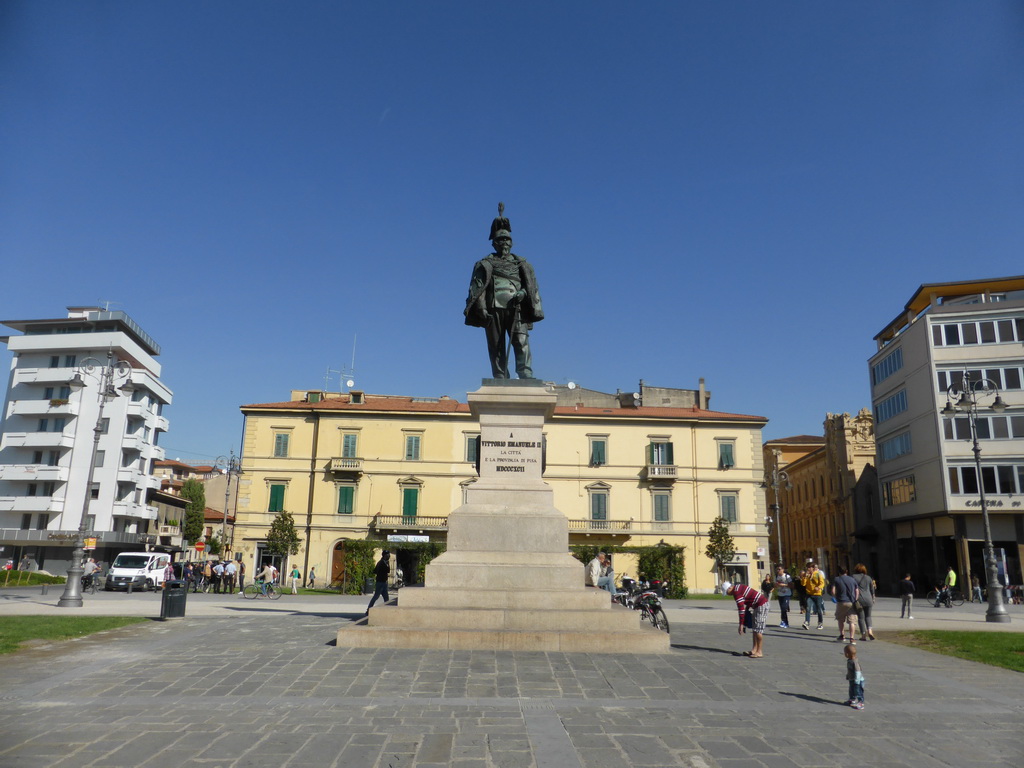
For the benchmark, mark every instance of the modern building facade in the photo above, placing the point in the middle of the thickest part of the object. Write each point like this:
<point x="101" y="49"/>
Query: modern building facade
<point x="48" y="432"/>
<point x="927" y="475"/>
<point x="635" y="469"/>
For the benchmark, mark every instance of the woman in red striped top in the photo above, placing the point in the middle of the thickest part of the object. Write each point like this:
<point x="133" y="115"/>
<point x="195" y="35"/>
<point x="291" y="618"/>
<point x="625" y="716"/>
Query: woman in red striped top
<point x="752" y="600"/>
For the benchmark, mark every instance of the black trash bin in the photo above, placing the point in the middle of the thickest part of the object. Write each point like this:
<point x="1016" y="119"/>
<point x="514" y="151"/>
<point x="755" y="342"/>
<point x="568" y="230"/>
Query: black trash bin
<point x="172" y="605"/>
<point x="369" y="586"/>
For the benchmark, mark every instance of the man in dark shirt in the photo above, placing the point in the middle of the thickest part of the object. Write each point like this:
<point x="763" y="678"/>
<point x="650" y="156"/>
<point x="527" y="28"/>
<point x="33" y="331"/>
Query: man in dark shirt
<point x="846" y="592"/>
<point x="381" y="573"/>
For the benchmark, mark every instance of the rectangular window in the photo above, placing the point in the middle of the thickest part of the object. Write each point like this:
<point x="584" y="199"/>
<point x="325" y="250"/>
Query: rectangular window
<point x="32" y="488"/>
<point x="53" y="458"/>
<point x="662" y="507"/>
<point x="1005" y="328"/>
<point x="898" y="491"/>
<point x="891" y="406"/>
<point x="598" y="451"/>
<point x="988" y="332"/>
<point x="58" y="424"/>
<point x="276" y="498"/>
<point x="412" y="447"/>
<point x="43" y="425"/>
<point x="104" y="426"/>
<point x="410" y="501"/>
<point x="598" y="505"/>
<point x="348" y="446"/>
<point x="472" y="446"/>
<point x="94" y="491"/>
<point x="42" y="521"/>
<point x="37" y="457"/>
<point x="281" y="445"/>
<point x="346" y="499"/>
<point x="952" y="334"/>
<point x="727" y="506"/>
<point x="726" y="454"/>
<point x="55" y="361"/>
<point x="48" y="393"/>
<point x="660" y="454"/>
<point x="887" y="366"/>
<point x="896" y="446"/>
<point x="48" y="489"/>
<point x="970" y="333"/>
<point x="69" y="361"/>
<point x="101" y="457"/>
<point x="26" y="521"/>
<point x="1012" y="377"/>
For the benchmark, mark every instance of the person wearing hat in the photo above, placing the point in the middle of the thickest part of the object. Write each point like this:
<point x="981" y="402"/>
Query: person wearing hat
<point x="381" y="573"/>
<point x="504" y="301"/>
<point x="753" y="608"/>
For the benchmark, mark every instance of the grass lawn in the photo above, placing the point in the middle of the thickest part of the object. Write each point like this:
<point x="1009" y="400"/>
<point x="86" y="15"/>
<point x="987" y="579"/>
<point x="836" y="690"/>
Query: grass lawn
<point x="997" y="649"/>
<point x="692" y="596"/>
<point x="15" y="630"/>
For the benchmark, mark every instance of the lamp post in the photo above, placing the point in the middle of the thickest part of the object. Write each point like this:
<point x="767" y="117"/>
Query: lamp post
<point x="106" y="374"/>
<point x="965" y="400"/>
<point x="777" y="479"/>
<point x="229" y="466"/>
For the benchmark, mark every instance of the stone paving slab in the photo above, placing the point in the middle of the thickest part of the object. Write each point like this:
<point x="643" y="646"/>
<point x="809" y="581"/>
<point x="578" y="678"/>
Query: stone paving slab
<point x="270" y="688"/>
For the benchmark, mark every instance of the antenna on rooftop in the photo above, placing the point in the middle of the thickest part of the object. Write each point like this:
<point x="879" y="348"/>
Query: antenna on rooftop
<point x="346" y="376"/>
<point x="106" y="304"/>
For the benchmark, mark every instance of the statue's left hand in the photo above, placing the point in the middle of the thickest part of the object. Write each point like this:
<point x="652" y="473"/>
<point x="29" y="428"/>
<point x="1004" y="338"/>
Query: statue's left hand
<point x="520" y="295"/>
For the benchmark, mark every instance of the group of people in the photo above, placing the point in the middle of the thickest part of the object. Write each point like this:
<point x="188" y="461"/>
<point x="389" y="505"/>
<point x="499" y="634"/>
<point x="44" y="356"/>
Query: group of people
<point x="853" y="595"/>
<point x="221" y="575"/>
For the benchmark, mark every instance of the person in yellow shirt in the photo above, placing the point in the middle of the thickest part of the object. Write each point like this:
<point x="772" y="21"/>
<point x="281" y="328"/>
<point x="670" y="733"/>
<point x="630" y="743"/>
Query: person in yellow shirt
<point x="814" y="583"/>
<point x="947" y="586"/>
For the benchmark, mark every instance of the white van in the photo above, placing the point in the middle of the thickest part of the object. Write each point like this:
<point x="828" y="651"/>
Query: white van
<point x="143" y="570"/>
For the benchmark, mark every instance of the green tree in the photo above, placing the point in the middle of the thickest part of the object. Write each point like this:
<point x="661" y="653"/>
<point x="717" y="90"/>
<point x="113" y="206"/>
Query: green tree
<point x="721" y="547"/>
<point x="193" y="491"/>
<point x="283" y="539"/>
<point x="214" y="545"/>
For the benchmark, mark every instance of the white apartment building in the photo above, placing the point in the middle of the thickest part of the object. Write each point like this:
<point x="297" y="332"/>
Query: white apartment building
<point x="48" y="430"/>
<point x="927" y="476"/>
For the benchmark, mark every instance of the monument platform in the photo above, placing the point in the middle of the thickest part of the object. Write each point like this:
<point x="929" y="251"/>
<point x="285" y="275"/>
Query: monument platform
<point x="507" y="580"/>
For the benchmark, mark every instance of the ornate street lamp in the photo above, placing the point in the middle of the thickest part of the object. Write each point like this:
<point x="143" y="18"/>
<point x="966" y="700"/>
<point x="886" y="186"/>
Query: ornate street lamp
<point x="965" y="400"/>
<point x="229" y="466"/>
<point x="107" y="374"/>
<point x="776" y="479"/>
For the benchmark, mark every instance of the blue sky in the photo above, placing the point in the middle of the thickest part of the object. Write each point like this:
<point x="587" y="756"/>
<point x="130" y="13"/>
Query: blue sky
<point x="745" y="192"/>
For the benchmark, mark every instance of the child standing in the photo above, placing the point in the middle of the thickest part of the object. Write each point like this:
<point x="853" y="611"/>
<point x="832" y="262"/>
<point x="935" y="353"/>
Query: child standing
<point x="855" y="676"/>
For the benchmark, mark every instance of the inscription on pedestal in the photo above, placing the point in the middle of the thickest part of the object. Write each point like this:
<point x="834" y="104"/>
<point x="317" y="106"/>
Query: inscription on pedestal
<point x="511" y="453"/>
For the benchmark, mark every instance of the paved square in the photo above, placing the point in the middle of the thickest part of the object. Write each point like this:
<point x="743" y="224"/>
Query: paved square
<point x="270" y="689"/>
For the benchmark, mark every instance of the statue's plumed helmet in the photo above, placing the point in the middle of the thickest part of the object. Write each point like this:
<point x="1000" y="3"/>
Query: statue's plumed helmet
<point x="501" y="227"/>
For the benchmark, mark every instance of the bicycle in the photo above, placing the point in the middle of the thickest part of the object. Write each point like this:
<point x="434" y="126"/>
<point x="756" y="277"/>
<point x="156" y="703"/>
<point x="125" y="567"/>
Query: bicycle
<point x="258" y="588"/>
<point x="89" y="584"/>
<point x="953" y="597"/>
<point x="649" y="605"/>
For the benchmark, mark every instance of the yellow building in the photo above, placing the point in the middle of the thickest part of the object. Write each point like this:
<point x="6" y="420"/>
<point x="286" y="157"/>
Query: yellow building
<point x="636" y="469"/>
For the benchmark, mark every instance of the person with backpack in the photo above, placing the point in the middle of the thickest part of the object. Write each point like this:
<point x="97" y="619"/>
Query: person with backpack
<point x="296" y="576"/>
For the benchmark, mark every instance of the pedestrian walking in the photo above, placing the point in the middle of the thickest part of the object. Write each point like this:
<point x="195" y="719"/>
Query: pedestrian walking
<point x="381" y="573"/>
<point x="296" y="576"/>
<point x="814" y="584"/>
<point x="753" y="609"/>
<point x="976" y="589"/>
<point x="907" y="590"/>
<point x="241" y="576"/>
<point x="846" y="592"/>
<point x="855" y="677"/>
<point x="865" y="600"/>
<point x="312" y="578"/>
<point x="783" y="591"/>
<point x="799" y="591"/>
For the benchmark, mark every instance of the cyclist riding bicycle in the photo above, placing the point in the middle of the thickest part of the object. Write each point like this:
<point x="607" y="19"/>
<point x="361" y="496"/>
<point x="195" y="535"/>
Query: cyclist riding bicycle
<point x="264" y="577"/>
<point x="88" y="572"/>
<point x="947" y="586"/>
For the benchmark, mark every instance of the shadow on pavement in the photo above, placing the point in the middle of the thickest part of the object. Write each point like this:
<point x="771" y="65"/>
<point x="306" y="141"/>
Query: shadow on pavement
<point x="815" y="699"/>
<point x="685" y="647"/>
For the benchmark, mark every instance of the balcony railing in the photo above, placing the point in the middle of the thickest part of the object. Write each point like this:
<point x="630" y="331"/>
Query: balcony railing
<point x="339" y="464"/>
<point x="56" y="407"/>
<point x="31" y="504"/>
<point x="409" y="522"/>
<point x="622" y="527"/>
<point x="661" y="471"/>
<point x="34" y="473"/>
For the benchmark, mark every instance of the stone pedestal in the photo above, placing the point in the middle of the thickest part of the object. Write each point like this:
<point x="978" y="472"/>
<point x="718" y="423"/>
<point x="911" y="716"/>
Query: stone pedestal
<point x="507" y="580"/>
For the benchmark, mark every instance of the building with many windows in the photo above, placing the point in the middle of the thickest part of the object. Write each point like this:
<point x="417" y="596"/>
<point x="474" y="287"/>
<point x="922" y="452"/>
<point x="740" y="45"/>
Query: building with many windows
<point x="829" y="511"/>
<point x="634" y="469"/>
<point x="48" y="433"/>
<point x="927" y="475"/>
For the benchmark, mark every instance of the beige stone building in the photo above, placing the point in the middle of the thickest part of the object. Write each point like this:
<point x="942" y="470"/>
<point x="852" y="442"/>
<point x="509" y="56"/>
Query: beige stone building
<point x="633" y="469"/>
<point x="830" y="512"/>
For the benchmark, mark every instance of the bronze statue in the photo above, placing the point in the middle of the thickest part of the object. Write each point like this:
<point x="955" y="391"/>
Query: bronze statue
<point x="504" y="301"/>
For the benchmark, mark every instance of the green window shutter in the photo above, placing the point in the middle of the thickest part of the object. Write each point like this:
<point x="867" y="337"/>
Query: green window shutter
<point x="410" y="497"/>
<point x="276" y="498"/>
<point x="346" y="494"/>
<point x="471" y="444"/>
<point x="661" y="507"/>
<point x="728" y="503"/>
<point x="598" y="506"/>
<point x="348" y="447"/>
<point x="412" y="447"/>
<point x="650" y="453"/>
<point x="669" y="458"/>
<point x="281" y="445"/>
<point x="597" y="453"/>
<point x="725" y="456"/>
